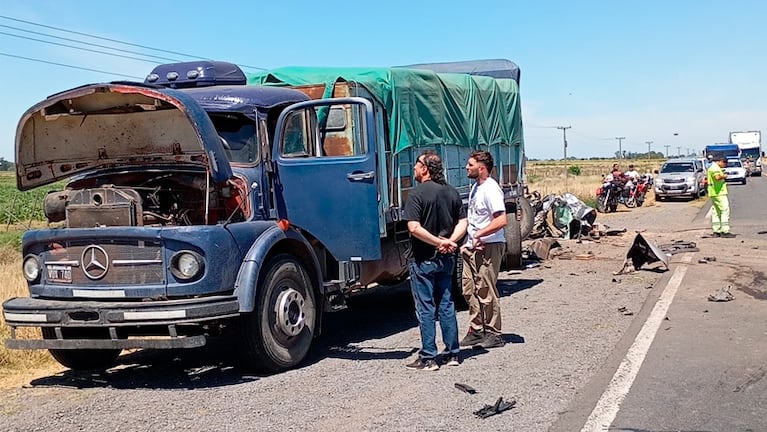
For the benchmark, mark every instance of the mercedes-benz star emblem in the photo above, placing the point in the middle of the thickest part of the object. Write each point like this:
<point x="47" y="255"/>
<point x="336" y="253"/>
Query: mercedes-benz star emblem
<point x="95" y="262"/>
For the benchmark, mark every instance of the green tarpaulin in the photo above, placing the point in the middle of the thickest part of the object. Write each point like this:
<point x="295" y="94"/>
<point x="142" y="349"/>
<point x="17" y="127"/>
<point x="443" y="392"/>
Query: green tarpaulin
<point x="425" y="108"/>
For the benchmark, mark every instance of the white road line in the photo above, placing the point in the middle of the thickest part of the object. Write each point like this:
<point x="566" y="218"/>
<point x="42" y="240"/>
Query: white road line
<point x="609" y="404"/>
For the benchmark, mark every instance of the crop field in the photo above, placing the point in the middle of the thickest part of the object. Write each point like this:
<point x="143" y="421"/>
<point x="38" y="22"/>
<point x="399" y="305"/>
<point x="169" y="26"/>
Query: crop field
<point x="19" y="211"/>
<point x="578" y="177"/>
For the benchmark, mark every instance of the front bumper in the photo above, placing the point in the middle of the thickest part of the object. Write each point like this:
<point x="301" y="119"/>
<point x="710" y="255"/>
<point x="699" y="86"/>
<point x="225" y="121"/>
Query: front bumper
<point x="674" y="189"/>
<point x="125" y="323"/>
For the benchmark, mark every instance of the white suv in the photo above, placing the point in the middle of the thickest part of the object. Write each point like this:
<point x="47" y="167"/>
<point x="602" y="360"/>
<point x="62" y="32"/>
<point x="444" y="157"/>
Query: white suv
<point x="735" y="171"/>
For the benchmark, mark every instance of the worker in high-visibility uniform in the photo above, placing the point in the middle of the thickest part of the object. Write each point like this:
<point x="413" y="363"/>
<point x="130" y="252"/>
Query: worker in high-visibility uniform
<point x="717" y="191"/>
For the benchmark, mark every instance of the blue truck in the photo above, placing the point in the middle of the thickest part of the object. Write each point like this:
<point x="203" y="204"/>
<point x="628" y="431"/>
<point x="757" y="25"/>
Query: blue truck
<point x="204" y="202"/>
<point x="727" y="150"/>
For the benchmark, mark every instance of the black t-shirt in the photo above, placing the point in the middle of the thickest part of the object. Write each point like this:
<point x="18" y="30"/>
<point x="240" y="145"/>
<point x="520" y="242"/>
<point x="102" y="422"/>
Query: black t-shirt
<point x="437" y="208"/>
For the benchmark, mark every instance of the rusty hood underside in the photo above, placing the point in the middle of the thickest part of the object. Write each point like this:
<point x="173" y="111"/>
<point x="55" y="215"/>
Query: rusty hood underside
<point x="113" y="125"/>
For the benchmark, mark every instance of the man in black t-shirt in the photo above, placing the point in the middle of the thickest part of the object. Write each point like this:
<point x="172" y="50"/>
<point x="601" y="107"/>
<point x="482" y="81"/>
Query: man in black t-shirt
<point x="436" y="220"/>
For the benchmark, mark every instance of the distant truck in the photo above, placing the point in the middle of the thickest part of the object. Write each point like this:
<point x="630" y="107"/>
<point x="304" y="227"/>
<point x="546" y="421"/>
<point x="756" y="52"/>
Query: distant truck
<point x="750" y="144"/>
<point x="199" y="206"/>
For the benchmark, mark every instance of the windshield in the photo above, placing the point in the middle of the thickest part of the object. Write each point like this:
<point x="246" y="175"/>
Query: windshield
<point x="675" y="167"/>
<point x="734" y="163"/>
<point x="239" y="137"/>
<point x="753" y="152"/>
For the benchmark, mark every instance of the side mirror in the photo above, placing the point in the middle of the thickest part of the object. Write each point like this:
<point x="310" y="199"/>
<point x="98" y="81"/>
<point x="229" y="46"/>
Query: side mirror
<point x="655" y="171"/>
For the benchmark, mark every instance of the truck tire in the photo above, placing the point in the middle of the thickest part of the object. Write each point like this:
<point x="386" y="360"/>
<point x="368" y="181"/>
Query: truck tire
<point x="279" y="332"/>
<point x="81" y="359"/>
<point x="513" y="233"/>
<point x="528" y="218"/>
<point x="457" y="288"/>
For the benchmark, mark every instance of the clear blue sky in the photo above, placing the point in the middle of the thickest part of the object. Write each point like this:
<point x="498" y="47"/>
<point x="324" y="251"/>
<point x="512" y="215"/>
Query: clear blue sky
<point x="641" y="70"/>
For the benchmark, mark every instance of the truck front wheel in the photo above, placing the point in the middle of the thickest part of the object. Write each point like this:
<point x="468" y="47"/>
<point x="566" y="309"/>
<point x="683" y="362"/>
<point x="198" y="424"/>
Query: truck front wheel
<point x="279" y="332"/>
<point x="81" y="359"/>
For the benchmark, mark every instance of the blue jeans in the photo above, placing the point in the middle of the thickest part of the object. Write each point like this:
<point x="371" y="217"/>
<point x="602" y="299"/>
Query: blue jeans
<point x="430" y="283"/>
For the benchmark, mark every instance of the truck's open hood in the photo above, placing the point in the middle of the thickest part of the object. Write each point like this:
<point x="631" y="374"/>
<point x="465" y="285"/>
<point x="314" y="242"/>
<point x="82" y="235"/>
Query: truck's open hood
<point x="113" y="125"/>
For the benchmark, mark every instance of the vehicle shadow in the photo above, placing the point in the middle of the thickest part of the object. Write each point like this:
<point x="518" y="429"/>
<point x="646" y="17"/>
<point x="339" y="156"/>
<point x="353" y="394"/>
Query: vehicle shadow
<point x="371" y="316"/>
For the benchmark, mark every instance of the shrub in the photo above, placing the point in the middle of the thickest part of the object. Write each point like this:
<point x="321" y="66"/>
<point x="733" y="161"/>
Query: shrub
<point x="574" y="170"/>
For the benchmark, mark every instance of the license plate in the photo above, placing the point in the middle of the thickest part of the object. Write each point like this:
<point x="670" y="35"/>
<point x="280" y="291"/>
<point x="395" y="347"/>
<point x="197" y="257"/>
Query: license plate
<point x="59" y="273"/>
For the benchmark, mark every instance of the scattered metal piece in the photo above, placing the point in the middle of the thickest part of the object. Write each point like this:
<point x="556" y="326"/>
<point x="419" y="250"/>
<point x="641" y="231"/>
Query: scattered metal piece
<point x="465" y="388"/>
<point x="616" y="280"/>
<point x="625" y="311"/>
<point x="709" y="258"/>
<point x="679" y="246"/>
<point x="497" y="408"/>
<point x="642" y="252"/>
<point x="702" y="261"/>
<point x="723" y="295"/>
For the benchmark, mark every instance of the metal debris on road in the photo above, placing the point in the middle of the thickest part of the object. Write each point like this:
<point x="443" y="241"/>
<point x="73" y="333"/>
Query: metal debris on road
<point x="497" y="408"/>
<point x="465" y="388"/>
<point x="642" y="252"/>
<point x="723" y="295"/>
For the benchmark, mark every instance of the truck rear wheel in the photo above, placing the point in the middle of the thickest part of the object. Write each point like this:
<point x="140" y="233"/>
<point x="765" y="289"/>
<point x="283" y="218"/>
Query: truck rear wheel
<point x="279" y="332"/>
<point x="512" y="231"/>
<point x="528" y="218"/>
<point x="457" y="289"/>
<point x="81" y="359"/>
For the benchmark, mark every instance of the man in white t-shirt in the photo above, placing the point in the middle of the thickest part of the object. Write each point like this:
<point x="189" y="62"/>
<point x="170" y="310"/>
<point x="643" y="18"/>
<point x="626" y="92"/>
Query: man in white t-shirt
<point x="632" y="173"/>
<point x="482" y="254"/>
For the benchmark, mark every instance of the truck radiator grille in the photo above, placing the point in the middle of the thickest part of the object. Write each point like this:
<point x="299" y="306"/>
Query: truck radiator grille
<point x="105" y="263"/>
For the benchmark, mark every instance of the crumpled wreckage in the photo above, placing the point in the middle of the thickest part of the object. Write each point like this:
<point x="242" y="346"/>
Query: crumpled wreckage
<point x="562" y="216"/>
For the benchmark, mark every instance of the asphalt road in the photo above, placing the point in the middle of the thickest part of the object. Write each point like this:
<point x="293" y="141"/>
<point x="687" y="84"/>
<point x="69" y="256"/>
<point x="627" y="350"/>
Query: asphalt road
<point x="570" y="324"/>
<point x="705" y="365"/>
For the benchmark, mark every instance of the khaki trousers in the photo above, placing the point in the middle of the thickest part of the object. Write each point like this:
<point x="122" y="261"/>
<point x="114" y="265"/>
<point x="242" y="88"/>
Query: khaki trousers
<point x="480" y="274"/>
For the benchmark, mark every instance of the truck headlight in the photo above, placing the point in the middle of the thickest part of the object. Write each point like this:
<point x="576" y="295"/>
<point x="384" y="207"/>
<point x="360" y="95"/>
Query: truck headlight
<point x="31" y="268"/>
<point x="659" y="181"/>
<point x="187" y="265"/>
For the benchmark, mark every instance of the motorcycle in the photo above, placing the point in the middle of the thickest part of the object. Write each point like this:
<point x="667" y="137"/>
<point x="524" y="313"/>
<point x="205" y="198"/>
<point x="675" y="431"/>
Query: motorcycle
<point x="639" y="191"/>
<point x="612" y="193"/>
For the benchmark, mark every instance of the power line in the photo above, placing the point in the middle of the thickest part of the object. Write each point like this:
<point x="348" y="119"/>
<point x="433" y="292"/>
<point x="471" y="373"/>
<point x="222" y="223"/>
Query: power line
<point x="95" y="37"/>
<point x="78" y="48"/>
<point x="69" y="66"/>
<point x="86" y="43"/>
<point x="115" y="40"/>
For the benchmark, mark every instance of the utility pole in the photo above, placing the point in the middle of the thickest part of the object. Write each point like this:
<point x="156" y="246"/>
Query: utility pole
<point x="648" y="147"/>
<point x="667" y="146"/>
<point x="620" y="146"/>
<point x="564" y="137"/>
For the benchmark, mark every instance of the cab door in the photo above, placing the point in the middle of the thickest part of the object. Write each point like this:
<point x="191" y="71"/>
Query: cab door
<point x="326" y="179"/>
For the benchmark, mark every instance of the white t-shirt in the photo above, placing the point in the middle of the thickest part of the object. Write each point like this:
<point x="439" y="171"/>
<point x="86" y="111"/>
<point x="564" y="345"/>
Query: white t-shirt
<point x="484" y="200"/>
<point x="632" y="174"/>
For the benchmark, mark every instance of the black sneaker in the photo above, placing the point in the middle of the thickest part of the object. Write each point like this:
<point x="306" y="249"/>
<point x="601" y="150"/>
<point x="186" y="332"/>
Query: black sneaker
<point x="452" y="360"/>
<point x="491" y="341"/>
<point x="425" y="365"/>
<point x="472" y="338"/>
<point x="727" y="235"/>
